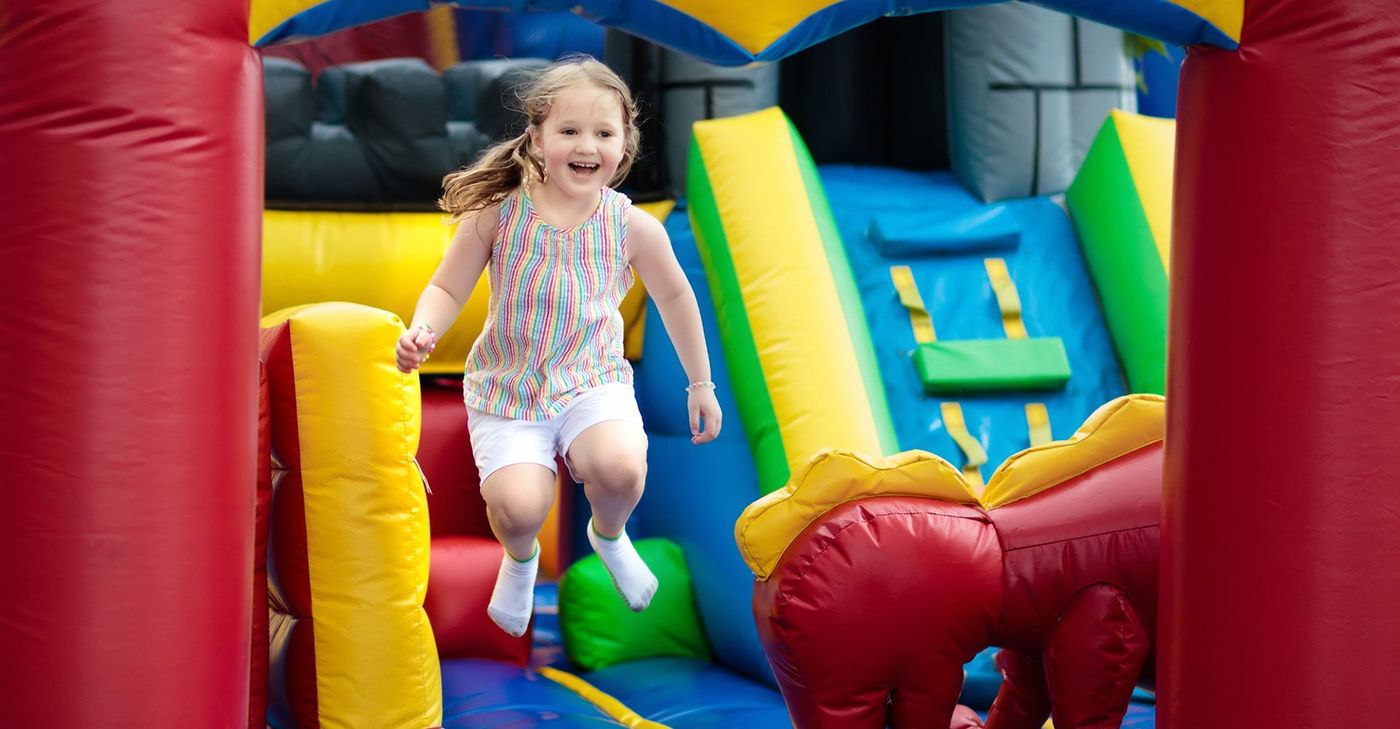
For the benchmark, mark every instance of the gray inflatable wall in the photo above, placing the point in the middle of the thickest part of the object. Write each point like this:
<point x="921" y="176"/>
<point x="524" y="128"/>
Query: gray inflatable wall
<point x="691" y="90"/>
<point x="1027" y="90"/>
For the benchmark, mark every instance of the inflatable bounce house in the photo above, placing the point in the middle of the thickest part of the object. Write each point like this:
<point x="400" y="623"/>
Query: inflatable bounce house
<point x="980" y="469"/>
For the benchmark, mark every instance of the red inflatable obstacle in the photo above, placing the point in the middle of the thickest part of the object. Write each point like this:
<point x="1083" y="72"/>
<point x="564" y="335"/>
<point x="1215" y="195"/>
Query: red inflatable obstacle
<point x="1281" y="537"/>
<point x="129" y="286"/>
<point x="878" y="582"/>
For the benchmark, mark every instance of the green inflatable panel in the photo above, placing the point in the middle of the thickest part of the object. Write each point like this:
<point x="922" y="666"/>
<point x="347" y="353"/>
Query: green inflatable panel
<point x="1121" y="206"/>
<point x="990" y="365"/>
<point x="600" y="630"/>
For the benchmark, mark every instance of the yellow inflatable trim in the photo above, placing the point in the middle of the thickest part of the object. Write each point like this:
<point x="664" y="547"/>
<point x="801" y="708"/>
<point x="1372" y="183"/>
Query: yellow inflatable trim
<point x="752" y="26"/>
<point x="832" y="477"/>
<point x="615" y="709"/>
<point x="264" y="15"/>
<point x="1116" y="429"/>
<point x="1226" y="15"/>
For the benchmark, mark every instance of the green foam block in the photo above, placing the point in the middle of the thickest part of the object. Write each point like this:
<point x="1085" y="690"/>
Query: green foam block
<point x="987" y="365"/>
<point x="600" y="630"/>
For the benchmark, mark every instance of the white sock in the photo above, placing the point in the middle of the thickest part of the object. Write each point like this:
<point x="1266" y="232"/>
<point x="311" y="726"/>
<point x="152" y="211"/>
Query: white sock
<point x="513" y="599"/>
<point x="630" y="575"/>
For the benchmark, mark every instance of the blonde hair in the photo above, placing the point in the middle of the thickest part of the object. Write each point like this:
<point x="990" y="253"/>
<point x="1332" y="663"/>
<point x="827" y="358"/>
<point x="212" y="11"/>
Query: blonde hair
<point x="508" y="165"/>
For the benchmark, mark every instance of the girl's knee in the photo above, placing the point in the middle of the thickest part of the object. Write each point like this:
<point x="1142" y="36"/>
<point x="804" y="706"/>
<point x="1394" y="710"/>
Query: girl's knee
<point x="617" y="472"/>
<point x="518" y="516"/>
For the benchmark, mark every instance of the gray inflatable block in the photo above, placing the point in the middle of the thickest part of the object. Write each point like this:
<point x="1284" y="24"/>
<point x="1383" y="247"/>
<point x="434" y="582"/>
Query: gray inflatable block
<point x="692" y="90"/>
<point x="908" y="234"/>
<point x="1027" y="89"/>
<point x="1098" y="44"/>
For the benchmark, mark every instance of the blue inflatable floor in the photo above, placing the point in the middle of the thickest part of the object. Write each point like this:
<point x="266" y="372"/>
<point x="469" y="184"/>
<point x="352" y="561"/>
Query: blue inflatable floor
<point x="477" y="694"/>
<point x="685" y="693"/>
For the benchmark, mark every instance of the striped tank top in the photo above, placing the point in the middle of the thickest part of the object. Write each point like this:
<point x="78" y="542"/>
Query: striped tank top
<point x="552" y="326"/>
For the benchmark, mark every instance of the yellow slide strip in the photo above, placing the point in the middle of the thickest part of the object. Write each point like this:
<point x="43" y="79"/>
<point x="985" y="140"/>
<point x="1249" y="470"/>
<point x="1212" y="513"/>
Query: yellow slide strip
<point x="1007" y="299"/>
<point x="974" y="457"/>
<point x="908" y="291"/>
<point x="605" y="703"/>
<point x="789" y="293"/>
<point x="1038" y="423"/>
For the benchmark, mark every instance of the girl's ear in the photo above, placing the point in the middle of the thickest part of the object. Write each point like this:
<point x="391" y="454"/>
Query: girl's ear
<point x="534" y="133"/>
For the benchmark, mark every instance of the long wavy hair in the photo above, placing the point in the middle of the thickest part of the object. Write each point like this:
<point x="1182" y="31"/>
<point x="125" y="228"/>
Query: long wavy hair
<point x="509" y="164"/>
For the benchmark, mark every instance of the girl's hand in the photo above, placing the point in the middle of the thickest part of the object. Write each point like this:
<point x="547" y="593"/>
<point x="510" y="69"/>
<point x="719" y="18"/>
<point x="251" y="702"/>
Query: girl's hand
<point x="413" y="348"/>
<point x="703" y="407"/>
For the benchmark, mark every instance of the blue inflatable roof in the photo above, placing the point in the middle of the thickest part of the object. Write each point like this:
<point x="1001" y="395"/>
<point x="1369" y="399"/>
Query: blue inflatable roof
<point x="736" y="32"/>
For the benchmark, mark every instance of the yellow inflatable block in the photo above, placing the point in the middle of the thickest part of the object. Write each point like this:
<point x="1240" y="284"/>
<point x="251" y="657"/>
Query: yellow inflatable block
<point x="345" y="426"/>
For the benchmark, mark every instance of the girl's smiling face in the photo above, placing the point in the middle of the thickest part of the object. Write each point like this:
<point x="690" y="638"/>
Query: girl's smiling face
<point x="582" y="140"/>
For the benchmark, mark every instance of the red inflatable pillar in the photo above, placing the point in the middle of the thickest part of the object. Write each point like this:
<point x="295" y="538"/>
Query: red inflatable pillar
<point x="130" y="196"/>
<point x="1282" y="511"/>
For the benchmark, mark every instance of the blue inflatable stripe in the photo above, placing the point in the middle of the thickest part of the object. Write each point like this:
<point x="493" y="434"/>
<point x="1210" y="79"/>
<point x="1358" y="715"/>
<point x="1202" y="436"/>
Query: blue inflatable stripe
<point x="329" y="17"/>
<point x="1161" y="19"/>
<point x="666" y="26"/>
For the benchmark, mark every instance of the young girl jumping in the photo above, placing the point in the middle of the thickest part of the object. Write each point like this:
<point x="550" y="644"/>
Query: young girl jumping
<point x="547" y="375"/>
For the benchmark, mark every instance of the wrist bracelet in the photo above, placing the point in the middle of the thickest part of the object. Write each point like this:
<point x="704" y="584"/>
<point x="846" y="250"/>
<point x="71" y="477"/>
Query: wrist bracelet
<point x="692" y="387"/>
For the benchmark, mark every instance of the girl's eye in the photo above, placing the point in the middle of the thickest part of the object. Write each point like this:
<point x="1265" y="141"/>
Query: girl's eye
<point x="605" y="134"/>
<point x="569" y="131"/>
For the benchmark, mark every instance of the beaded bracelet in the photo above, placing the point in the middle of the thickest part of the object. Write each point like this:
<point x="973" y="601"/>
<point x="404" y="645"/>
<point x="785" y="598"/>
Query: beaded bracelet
<point x="692" y="387"/>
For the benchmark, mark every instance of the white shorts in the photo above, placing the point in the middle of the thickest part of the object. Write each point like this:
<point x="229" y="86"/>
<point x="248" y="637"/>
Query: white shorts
<point x="498" y="442"/>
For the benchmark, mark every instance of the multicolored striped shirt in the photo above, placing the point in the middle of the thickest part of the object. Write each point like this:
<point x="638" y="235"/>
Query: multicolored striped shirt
<point x="552" y="326"/>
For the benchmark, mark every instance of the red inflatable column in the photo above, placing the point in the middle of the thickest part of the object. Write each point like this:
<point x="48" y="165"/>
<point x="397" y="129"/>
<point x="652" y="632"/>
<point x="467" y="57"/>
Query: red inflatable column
<point x="1282" y="531"/>
<point x="130" y="144"/>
